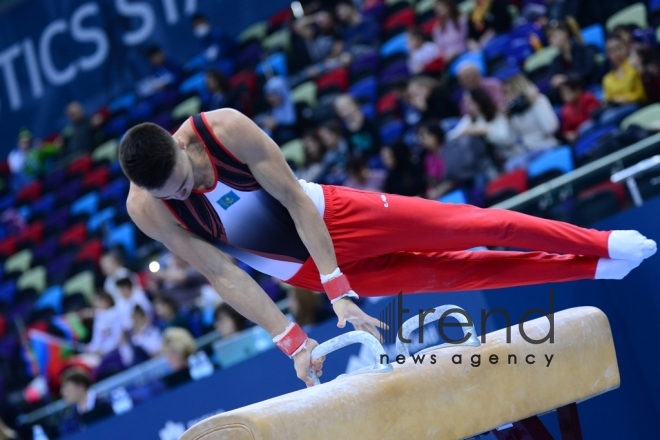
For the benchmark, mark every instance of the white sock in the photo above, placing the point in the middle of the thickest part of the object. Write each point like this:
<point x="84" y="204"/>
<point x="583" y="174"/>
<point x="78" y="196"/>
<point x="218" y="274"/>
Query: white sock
<point x="607" y="269"/>
<point x="630" y="245"/>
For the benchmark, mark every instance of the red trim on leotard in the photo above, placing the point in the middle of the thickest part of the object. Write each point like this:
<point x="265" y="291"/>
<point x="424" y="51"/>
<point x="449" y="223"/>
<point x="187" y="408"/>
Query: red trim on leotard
<point x="175" y="215"/>
<point x="208" y="153"/>
<point x="208" y="126"/>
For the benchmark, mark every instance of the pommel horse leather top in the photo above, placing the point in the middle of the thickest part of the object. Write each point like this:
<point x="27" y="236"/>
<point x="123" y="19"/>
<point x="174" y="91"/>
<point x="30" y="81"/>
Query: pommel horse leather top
<point x="442" y="400"/>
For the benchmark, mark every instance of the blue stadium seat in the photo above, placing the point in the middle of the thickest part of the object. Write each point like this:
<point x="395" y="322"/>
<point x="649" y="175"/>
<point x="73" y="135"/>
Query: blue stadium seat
<point x="497" y="46"/>
<point x="7" y="292"/>
<point x="123" y="235"/>
<point x="116" y="190"/>
<point x="391" y="132"/>
<point x="366" y="88"/>
<point x="141" y="112"/>
<point x="100" y="218"/>
<point x="457" y="196"/>
<point x="7" y="202"/>
<point x="594" y="35"/>
<point x="226" y="67"/>
<point x="122" y="103"/>
<point x="558" y="159"/>
<point x="198" y="62"/>
<point x="587" y="140"/>
<point x="369" y="111"/>
<point x="518" y="50"/>
<point x="52" y="298"/>
<point x="44" y="204"/>
<point x="476" y="58"/>
<point x="274" y="65"/>
<point x="25" y="211"/>
<point x="86" y="204"/>
<point x="194" y="84"/>
<point x="394" y="45"/>
<point x="116" y="126"/>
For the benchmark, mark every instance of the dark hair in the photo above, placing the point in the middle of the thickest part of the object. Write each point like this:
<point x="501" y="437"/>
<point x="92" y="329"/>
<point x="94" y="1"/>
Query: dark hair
<point x="139" y="310"/>
<point x="169" y="302"/>
<point x="102" y="294"/>
<point x="573" y="82"/>
<point x="76" y="376"/>
<point x="124" y="282"/>
<point x="454" y="13"/>
<point x="435" y="128"/>
<point x="356" y="165"/>
<point x="239" y="320"/>
<point x="153" y="50"/>
<point x="333" y="126"/>
<point x="220" y="79"/>
<point x="147" y="154"/>
<point x="487" y="106"/>
<point x="415" y="32"/>
<point x="198" y="17"/>
<point x="569" y="25"/>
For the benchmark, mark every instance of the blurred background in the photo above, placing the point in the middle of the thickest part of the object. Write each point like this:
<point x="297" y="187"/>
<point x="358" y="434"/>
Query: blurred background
<point x="548" y="107"/>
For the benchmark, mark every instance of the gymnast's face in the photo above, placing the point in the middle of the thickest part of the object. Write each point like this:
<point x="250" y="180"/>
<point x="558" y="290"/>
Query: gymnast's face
<point x="181" y="182"/>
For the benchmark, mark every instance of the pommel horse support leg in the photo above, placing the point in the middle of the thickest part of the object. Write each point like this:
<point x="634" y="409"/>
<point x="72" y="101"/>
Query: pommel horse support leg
<point x="443" y="400"/>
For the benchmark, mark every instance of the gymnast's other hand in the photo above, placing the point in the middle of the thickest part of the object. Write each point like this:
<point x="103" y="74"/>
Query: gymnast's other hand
<point x="347" y="310"/>
<point x="303" y="363"/>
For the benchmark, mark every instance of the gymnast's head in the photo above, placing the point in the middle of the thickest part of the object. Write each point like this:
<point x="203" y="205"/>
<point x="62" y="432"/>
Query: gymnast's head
<point x="158" y="162"/>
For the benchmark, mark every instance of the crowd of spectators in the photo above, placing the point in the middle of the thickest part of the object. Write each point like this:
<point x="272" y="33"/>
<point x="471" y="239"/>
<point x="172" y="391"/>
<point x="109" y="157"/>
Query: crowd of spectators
<point x="459" y="129"/>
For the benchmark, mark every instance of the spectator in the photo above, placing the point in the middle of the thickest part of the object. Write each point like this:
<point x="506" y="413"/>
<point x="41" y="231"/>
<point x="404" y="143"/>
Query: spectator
<point x="420" y="51"/>
<point x="313" y="169"/>
<point x="88" y="408"/>
<point x="470" y="78"/>
<point x="361" y="134"/>
<point x="217" y="45"/>
<point x="576" y="113"/>
<point x="129" y="297"/>
<point x="574" y="58"/>
<point x="427" y="98"/>
<point x="107" y="327"/>
<point x="228" y="321"/>
<point x="359" y="33"/>
<point x="179" y="281"/>
<point x="450" y="33"/>
<point x="403" y="176"/>
<point x="336" y="152"/>
<point x="78" y="136"/>
<point x="362" y="177"/>
<point x="305" y="306"/>
<point x="145" y="340"/>
<point x="164" y="73"/>
<point x="484" y="120"/>
<point x="23" y="165"/>
<point x="532" y="119"/>
<point x="178" y="346"/>
<point x="167" y="313"/>
<point x="218" y="92"/>
<point x="316" y="36"/>
<point x="6" y="433"/>
<point x="645" y="61"/>
<point x="488" y="19"/>
<point x="280" y="122"/>
<point x="622" y="86"/>
<point x="432" y="138"/>
<point x="112" y="267"/>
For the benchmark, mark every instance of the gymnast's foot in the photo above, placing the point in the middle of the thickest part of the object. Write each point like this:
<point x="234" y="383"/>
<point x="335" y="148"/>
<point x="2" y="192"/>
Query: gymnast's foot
<point x="630" y="245"/>
<point x="608" y="269"/>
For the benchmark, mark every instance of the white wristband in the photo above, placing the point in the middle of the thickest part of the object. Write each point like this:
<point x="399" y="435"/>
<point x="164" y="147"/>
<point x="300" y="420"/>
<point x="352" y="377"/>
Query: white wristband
<point x="334" y="274"/>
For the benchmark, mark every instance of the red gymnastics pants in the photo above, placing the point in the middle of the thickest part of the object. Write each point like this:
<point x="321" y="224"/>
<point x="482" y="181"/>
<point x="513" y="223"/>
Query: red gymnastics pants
<point x="387" y="243"/>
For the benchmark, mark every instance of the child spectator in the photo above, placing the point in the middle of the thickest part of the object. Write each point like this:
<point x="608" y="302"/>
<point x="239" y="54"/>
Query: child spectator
<point x="228" y="321"/>
<point x="107" y="327"/>
<point x="576" y="113"/>
<point x="420" y="52"/>
<point x="144" y="340"/>
<point x="88" y="408"/>
<point x="167" y="313"/>
<point x="129" y="297"/>
<point x="450" y="33"/>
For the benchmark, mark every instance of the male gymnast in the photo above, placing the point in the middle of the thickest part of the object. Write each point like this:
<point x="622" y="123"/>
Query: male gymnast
<point x="220" y="186"/>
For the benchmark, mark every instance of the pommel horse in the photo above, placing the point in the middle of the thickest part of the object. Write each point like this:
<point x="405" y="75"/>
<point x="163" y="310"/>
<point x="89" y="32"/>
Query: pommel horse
<point x="443" y="400"/>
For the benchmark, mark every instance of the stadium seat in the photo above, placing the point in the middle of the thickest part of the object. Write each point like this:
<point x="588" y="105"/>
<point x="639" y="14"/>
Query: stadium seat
<point x="57" y="221"/>
<point x="424" y="6"/>
<point x="195" y="84"/>
<point x="196" y="63"/>
<point x="69" y="192"/>
<point x="647" y="117"/>
<point x="393" y="73"/>
<point x="506" y="186"/>
<point x="518" y="50"/>
<point x="369" y="111"/>
<point x="8" y="246"/>
<point x="256" y="31"/>
<point x="403" y="18"/>
<point x="476" y="58"/>
<point x="587" y="140"/>
<point x="25" y="211"/>
<point x="52" y="297"/>
<point x="90" y="251"/>
<point x="20" y="261"/>
<point x="633" y="14"/>
<point x="540" y="59"/>
<point x="116" y="126"/>
<point x="124" y="236"/>
<point x="86" y="204"/>
<point x="457" y="197"/>
<point x="33" y="233"/>
<point x="280" y="40"/>
<point x="187" y="108"/>
<point x="123" y="103"/>
<point x="599" y="202"/>
<point x="466" y="7"/>
<point x="335" y="79"/>
<point x="594" y="35"/>
<point x="46" y="250"/>
<point x="29" y="192"/>
<point x="294" y="151"/>
<point x="163" y="120"/>
<point x="79" y="166"/>
<point x="274" y="65"/>
<point x="365" y="89"/>
<point x="107" y="151"/>
<point x="549" y="165"/>
<point x="116" y="191"/>
<point x="394" y="45"/>
<point x="7" y="292"/>
<point x="391" y="132"/>
<point x="84" y="283"/>
<point x="387" y="103"/>
<point x="7" y="202"/>
<point x="75" y="235"/>
<point x="58" y="268"/>
<point x="305" y="92"/>
<point x="141" y="112"/>
<point x="101" y="218"/>
<point x="246" y="79"/>
<point x="364" y="65"/>
<point x="496" y="46"/>
<point x="34" y="278"/>
<point x="97" y="178"/>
